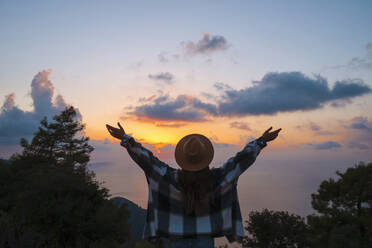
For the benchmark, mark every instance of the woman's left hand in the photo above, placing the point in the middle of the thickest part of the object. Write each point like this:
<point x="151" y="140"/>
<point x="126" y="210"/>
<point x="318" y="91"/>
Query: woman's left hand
<point x="116" y="132"/>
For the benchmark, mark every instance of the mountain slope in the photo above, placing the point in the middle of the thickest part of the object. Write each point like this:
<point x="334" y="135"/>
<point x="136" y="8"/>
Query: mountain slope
<point x="137" y="216"/>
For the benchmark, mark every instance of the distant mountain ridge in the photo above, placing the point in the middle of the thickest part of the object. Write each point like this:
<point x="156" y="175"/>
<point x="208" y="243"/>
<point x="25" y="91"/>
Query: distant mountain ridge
<point x="137" y="217"/>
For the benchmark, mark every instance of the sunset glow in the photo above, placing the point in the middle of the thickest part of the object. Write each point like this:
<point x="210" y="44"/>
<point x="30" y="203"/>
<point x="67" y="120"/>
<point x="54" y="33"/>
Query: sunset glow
<point x="227" y="70"/>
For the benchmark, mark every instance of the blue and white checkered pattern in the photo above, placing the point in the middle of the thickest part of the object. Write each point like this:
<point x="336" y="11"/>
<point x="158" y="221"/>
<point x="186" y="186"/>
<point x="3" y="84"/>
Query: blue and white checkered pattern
<point x="166" y="215"/>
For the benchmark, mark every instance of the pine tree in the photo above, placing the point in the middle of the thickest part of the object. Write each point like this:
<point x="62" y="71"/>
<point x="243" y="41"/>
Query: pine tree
<point x="344" y="207"/>
<point x="58" y="142"/>
<point x="48" y="196"/>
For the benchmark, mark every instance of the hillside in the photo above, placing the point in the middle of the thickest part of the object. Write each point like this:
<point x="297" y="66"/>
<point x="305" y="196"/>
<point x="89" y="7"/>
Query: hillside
<point x="137" y="217"/>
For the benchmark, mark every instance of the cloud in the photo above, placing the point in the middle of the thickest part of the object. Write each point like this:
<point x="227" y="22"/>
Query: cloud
<point x="136" y="65"/>
<point x="358" y="63"/>
<point x="285" y="92"/>
<point x="163" y="57"/>
<point x="182" y="108"/>
<point x="221" y="86"/>
<point x="314" y="127"/>
<point x="324" y="145"/>
<point x="357" y="145"/>
<point x="239" y="125"/>
<point x="276" y="92"/>
<point x="166" y="77"/>
<point x="208" y="96"/>
<point x="359" y="132"/>
<point x="16" y="123"/>
<point x="42" y="91"/>
<point x="170" y="124"/>
<point x="146" y="99"/>
<point x="361" y="123"/>
<point x="207" y="45"/>
<point x="318" y="130"/>
<point x="9" y="102"/>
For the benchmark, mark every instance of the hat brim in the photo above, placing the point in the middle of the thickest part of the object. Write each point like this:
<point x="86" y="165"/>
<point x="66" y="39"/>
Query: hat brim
<point x="203" y="163"/>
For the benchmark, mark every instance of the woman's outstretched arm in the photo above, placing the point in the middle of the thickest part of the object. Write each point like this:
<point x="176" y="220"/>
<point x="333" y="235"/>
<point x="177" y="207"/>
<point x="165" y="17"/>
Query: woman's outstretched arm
<point x="235" y="166"/>
<point x="142" y="156"/>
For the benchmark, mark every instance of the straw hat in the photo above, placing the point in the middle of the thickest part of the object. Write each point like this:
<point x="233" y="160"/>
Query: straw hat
<point x="194" y="152"/>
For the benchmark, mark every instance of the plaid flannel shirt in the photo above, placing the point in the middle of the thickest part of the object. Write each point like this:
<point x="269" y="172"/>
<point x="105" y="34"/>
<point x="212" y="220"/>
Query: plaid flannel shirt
<point x="166" y="215"/>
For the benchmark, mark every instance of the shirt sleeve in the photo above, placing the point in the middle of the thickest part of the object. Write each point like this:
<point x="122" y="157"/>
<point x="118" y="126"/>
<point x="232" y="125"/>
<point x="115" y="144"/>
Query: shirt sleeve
<point x="235" y="166"/>
<point x="143" y="157"/>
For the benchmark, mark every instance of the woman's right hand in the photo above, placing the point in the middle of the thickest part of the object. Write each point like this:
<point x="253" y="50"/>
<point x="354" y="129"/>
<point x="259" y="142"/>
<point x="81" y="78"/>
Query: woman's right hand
<point x="116" y="132"/>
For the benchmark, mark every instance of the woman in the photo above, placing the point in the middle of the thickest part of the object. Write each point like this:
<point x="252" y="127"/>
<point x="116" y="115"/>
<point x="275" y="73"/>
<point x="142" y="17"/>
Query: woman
<point x="190" y="206"/>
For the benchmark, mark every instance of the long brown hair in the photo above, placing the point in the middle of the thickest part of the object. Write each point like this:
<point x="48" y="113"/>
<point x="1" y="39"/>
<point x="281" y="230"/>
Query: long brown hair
<point x="197" y="190"/>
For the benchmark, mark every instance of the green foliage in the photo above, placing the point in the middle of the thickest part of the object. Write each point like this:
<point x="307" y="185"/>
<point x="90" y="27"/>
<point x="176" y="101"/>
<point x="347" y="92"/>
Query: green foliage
<point x="57" y="142"/>
<point x="137" y="217"/>
<point x="345" y="210"/>
<point x="275" y="229"/>
<point x="144" y="244"/>
<point x="48" y="198"/>
<point x="139" y="244"/>
<point x="16" y="234"/>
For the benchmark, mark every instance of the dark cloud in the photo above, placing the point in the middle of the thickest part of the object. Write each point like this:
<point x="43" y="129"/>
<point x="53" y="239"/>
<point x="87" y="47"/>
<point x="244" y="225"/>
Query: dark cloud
<point x="221" y="86"/>
<point x="239" y="125"/>
<point x="183" y="108"/>
<point x="16" y="123"/>
<point x="357" y="145"/>
<point x="166" y="77"/>
<point x="207" y="107"/>
<point x="361" y="123"/>
<point x="314" y="127"/>
<point x="324" y="145"/>
<point x="208" y="44"/>
<point x="349" y="88"/>
<point x="276" y="92"/>
<point x="359" y="131"/>
<point x="287" y="91"/>
<point x="318" y="130"/>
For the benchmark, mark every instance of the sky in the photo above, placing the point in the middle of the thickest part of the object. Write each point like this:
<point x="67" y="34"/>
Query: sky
<point x="225" y="69"/>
